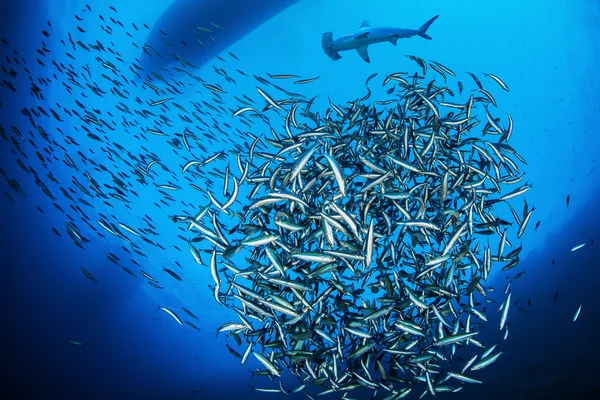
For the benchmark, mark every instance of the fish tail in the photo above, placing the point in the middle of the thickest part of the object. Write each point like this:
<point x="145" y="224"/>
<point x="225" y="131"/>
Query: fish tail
<point x="422" y="31"/>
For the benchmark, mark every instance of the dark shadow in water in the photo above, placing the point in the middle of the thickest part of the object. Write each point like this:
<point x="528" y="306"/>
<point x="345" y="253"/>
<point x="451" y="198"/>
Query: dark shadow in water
<point x="235" y="19"/>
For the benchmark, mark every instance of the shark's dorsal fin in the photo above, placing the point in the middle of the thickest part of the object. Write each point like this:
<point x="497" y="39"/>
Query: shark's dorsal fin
<point x="363" y="53"/>
<point x="365" y="24"/>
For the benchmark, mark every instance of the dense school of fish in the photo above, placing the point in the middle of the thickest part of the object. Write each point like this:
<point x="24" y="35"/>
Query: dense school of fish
<point x="353" y="241"/>
<point x="364" y="240"/>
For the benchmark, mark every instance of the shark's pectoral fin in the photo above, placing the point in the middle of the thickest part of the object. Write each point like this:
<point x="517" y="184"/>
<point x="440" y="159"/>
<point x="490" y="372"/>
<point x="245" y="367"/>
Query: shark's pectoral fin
<point x="363" y="53"/>
<point x="362" y="35"/>
<point x="394" y="40"/>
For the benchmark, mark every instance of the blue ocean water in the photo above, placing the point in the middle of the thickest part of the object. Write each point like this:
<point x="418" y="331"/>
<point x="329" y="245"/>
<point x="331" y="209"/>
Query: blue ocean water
<point x="547" y="52"/>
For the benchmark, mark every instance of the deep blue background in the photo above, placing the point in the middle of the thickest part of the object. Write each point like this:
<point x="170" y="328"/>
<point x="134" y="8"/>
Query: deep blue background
<point x="134" y="353"/>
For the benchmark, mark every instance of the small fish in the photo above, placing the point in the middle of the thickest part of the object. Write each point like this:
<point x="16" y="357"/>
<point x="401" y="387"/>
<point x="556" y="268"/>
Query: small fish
<point x="173" y="274"/>
<point x="373" y="75"/>
<point x="498" y="81"/>
<point x="504" y="314"/>
<point x="267" y="363"/>
<point x="463" y="378"/>
<point x="188" y="312"/>
<point x="159" y="102"/>
<point x="577" y="314"/>
<point x="305" y="81"/>
<point x="88" y="275"/>
<point x="485" y="361"/>
<point x="171" y="313"/>
<point x="579" y="246"/>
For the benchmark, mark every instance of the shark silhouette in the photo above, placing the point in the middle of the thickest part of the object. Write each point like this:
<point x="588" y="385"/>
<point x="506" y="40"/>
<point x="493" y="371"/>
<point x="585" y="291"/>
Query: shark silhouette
<point x="233" y="19"/>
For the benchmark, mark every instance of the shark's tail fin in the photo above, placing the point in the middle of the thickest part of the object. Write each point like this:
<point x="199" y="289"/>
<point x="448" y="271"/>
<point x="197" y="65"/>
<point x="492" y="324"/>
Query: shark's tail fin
<point x="326" y="43"/>
<point x="423" y="29"/>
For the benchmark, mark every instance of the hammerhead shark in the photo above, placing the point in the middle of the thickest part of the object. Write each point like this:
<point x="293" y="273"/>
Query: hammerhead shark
<point x="367" y="35"/>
